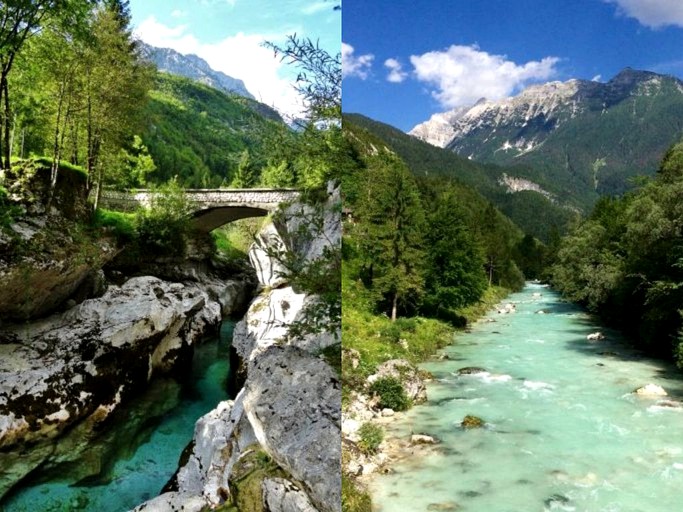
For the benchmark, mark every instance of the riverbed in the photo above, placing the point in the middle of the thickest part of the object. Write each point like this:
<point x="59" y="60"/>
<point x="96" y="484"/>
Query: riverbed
<point x="564" y="430"/>
<point x="136" y="455"/>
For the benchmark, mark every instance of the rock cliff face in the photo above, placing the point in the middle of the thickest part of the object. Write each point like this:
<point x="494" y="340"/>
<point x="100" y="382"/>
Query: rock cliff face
<point x="290" y="406"/>
<point x="80" y="365"/>
<point x="46" y="255"/>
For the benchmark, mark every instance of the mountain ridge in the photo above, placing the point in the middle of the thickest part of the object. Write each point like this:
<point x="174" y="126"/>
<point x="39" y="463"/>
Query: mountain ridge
<point x="591" y="138"/>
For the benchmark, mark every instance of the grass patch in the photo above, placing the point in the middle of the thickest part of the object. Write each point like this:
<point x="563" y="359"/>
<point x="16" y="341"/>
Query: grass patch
<point x="492" y="296"/>
<point x="377" y="339"/>
<point x="354" y="499"/>
<point x="122" y="224"/>
<point x="371" y="436"/>
<point x="45" y="162"/>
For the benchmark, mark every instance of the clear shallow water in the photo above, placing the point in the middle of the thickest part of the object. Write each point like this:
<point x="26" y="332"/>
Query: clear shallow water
<point x="563" y="430"/>
<point x="139" y="453"/>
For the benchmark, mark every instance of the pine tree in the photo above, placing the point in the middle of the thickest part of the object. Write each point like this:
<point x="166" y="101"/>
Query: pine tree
<point x="391" y="223"/>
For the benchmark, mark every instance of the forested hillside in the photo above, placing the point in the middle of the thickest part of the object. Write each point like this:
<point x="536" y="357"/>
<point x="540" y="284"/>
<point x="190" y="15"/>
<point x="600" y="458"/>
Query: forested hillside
<point x="530" y="210"/>
<point x="204" y="136"/>
<point x="625" y="261"/>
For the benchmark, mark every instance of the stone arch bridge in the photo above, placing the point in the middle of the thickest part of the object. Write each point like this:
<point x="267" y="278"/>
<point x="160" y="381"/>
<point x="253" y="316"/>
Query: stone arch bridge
<point x="211" y="208"/>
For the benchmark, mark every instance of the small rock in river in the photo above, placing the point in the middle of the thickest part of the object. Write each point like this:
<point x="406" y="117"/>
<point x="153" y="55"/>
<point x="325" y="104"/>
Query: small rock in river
<point x="651" y="390"/>
<point x="471" y="370"/>
<point x="470" y="421"/>
<point x="447" y="505"/>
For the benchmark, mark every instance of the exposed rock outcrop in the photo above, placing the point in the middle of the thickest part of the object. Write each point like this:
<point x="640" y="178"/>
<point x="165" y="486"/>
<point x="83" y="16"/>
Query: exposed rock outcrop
<point x="407" y="374"/>
<point x="47" y="257"/>
<point x="83" y="363"/>
<point x="290" y="405"/>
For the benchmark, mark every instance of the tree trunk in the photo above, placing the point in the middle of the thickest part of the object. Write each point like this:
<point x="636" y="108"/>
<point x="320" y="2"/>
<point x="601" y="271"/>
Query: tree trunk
<point x="490" y="270"/>
<point x="55" y="150"/>
<point x="99" y="190"/>
<point x="394" y="307"/>
<point x="8" y="125"/>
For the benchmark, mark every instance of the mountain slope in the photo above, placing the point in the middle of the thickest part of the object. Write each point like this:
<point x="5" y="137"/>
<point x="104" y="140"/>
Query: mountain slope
<point x="191" y="66"/>
<point x="526" y="203"/>
<point x="582" y="138"/>
<point x="198" y="133"/>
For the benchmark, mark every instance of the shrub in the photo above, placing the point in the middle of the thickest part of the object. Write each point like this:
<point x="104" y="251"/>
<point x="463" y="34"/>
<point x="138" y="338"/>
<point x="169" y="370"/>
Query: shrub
<point x="7" y="210"/>
<point x="391" y="393"/>
<point x="163" y="228"/>
<point x="371" y="437"/>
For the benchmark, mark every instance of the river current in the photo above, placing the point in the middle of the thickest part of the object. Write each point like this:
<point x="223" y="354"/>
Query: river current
<point x="136" y="455"/>
<point x="564" y="430"/>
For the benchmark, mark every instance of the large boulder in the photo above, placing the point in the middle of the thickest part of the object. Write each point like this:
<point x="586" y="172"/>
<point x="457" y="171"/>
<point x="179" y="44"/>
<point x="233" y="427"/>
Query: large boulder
<point x="293" y="402"/>
<point x="220" y="437"/>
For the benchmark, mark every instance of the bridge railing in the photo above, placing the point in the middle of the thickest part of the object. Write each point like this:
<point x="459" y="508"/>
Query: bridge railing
<point x="257" y="197"/>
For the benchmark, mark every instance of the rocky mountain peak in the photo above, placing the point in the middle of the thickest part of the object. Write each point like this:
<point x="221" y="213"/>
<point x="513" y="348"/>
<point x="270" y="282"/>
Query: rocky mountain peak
<point x="191" y="66"/>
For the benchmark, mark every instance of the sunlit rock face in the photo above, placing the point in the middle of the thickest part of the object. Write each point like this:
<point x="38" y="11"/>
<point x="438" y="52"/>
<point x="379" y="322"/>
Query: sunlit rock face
<point x="83" y="363"/>
<point x="290" y="406"/>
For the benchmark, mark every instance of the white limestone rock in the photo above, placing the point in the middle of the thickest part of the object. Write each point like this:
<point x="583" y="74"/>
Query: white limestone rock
<point x="651" y="390"/>
<point x="220" y="437"/>
<point x="67" y="367"/>
<point x="280" y="495"/>
<point x="293" y="402"/>
<point x="269" y="271"/>
<point x="173" y="502"/>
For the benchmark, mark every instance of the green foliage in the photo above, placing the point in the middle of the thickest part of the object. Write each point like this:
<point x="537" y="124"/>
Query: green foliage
<point x="531" y="211"/>
<point x="391" y="393"/>
<point x="371" y="436"/>
<point x="278" y="174"/>
<point x="388" y="234"/>
<point x="246" y="175"/>
<point x="132" y="166"/>
<point x="162" y="228"/>
<point x="626" y="261"/>
<point x="320" y="76"/>
<point x="353" y="498"/>
<point x="200" y="134"/>
<point x="7" y="210"/>
<point x="455" y="260"/>
<point x="122" y="224"/>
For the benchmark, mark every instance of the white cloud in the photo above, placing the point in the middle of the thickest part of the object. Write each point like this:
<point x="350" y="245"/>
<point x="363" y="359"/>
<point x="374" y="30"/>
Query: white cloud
<point x="464" y="74"/>
<point x="239" y="56"/>
<point x="396" y="73"/>
<point x="178" y="13"/>
<point x="355" y="66"/>
<point x="316" y="7"/>
<point x="652" y="13"/>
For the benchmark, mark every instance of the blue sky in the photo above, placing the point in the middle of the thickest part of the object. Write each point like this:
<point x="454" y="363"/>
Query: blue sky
<point x="406" y="60"/>
<point x="228" y="35"/>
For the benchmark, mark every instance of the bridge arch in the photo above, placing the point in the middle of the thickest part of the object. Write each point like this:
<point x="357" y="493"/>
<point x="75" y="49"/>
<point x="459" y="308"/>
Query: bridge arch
<point x="211" y="208"/>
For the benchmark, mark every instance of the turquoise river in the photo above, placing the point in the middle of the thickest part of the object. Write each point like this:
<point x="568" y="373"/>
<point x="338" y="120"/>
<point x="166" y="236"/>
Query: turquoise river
<point x="131" y="460"/>
<point x="564" y="430"/>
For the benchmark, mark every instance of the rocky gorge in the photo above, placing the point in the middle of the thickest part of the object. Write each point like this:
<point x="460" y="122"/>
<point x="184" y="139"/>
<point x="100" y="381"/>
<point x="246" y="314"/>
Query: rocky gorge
<point x="277" y="445"/>
<point x="69" y="362"/>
